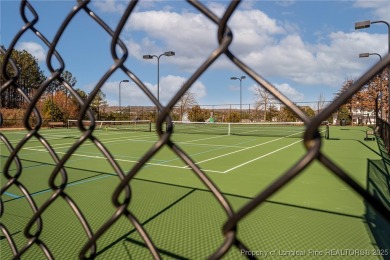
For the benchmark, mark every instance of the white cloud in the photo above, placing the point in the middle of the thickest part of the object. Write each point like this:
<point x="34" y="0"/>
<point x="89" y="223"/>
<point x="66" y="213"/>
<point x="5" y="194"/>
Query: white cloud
<point x="234" y="88"/>
<point x="260" y="41"/>
<point x="290" y="92"/>
<point x="253" y="30"/>
<point x="380" y="8"/>
<point x="115" y="6"/>
<point x="110" y="6"/>
<point x="270" y="47"/>
<point x="162" y="27"/>
<point x="217" y="8"/>
<point x="34" y="49"/>
<point x="316" y="64"/>
<point x="286" y="90"/>
<point x="170" y="85"/>
<point x="285" y="3"/>
<point x="132" y="95"/>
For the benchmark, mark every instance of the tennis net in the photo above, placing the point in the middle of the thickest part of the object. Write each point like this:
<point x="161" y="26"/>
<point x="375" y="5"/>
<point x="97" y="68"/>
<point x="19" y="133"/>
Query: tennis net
<point x="124" y="125"/>
<point x="271" y="129"/>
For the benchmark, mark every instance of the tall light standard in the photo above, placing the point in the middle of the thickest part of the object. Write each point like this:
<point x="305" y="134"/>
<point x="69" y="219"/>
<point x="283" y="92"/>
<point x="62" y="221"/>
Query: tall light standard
<point x="240" y="79"/>
<point x="366" y="55"/>
<point x="120" y="109"/>
<point x="367" y="24"/>
<point x="149" y="57"/>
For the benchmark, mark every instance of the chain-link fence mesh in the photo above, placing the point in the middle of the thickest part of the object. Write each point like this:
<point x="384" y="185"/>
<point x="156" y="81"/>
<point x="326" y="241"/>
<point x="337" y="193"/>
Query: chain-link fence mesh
<point x="122" y="194"/>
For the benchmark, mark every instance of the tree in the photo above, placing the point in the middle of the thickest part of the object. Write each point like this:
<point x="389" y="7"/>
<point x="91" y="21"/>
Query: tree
<point x="56" y="86"/>
<point x="69" y="109"/>
<point x="308" y="111"/>
<point x="344" y="114"/>
<point x="52" y="111"/>
<point x="234" y="117"/>
<point x="264" y="99"/>
<point x="74" y="106"/>
<point x="272" y="113"/>
<point x="31" y="76"/>
<point x="348" y="104"/>
<point x="321" y="102"/>
<point x="99" y="102"/>
<point x="196" y="114"/>
<point x="187" y="101"/>
<point x="68" y="77"/>
<point x="60" y="94"/>
<point x="377" y="90"/>
<point x="366" y="97"/>
<point x="364" y="100"/>
<point x="286" y="115"/>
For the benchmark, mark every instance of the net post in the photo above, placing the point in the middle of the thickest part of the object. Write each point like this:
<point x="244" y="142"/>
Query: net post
<point x="327" y="132"/>
<point x="229" y="128"/>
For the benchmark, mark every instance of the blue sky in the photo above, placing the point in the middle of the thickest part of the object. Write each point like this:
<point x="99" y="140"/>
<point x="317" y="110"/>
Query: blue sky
<point x="305" y="48"/>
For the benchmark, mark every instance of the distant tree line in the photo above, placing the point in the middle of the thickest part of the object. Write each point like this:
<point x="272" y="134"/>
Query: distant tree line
<point x="57" y="103"/>
<point x="31" y="76"/>
<point x="374" y="93"/>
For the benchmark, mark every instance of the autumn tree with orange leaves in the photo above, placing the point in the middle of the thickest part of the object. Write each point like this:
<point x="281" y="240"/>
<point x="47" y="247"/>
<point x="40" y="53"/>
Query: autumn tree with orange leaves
<point x="375" y="90"/>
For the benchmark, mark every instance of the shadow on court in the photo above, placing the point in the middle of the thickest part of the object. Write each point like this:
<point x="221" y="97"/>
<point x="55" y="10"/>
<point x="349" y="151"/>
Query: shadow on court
<point x="378" y="185"/>
<point x="191" y="227"/>
<point x="81" y="176"/>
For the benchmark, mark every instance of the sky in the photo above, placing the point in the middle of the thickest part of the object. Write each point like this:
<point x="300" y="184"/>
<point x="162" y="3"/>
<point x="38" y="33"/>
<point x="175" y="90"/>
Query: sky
<point x="306" y="49"/>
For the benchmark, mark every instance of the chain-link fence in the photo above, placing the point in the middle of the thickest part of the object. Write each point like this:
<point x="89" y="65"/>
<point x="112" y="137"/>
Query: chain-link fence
<point x="121" y="196"/>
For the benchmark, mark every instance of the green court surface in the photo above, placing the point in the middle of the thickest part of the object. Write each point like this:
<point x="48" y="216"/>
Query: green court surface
<point x="315" y="215"/>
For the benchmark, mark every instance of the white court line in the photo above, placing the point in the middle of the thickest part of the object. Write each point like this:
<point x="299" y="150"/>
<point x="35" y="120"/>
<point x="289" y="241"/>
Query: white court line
<point x="250" y="147"/>
<point x="123" y="160"/>
<point x="211" y="145"/>
<point x="112" y="140"/>
<point x="186" y="167"/>
<point x="136" y="139"/>
<point x="201" y="139"/>
<point x="61" y="134"/>
<point x="277" y="150"/>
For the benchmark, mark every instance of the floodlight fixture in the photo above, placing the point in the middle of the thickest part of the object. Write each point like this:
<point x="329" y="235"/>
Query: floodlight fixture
<point x="120" y="107"/>
<point x="149" y="57"/>
<point x="362" y="24"/>
<point x="364" y="55"/>
<point x="240" y="79"/>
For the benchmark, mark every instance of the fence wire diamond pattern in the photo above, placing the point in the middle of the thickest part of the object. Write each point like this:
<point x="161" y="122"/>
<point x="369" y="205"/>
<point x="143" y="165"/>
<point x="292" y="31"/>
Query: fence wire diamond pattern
<point x="35" y="227"/>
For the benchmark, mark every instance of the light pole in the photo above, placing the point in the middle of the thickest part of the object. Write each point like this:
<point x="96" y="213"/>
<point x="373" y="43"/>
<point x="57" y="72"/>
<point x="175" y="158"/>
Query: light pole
<point x="366" y="55"/>
<point x="240" y="79"/>
<point x="120" y="109"/>
<point x="367" y="24"/>
<point x="149" y="57"/>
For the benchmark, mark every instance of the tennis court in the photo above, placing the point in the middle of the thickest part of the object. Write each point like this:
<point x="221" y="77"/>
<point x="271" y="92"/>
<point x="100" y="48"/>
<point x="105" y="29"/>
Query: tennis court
<point x="316" y="214"/>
